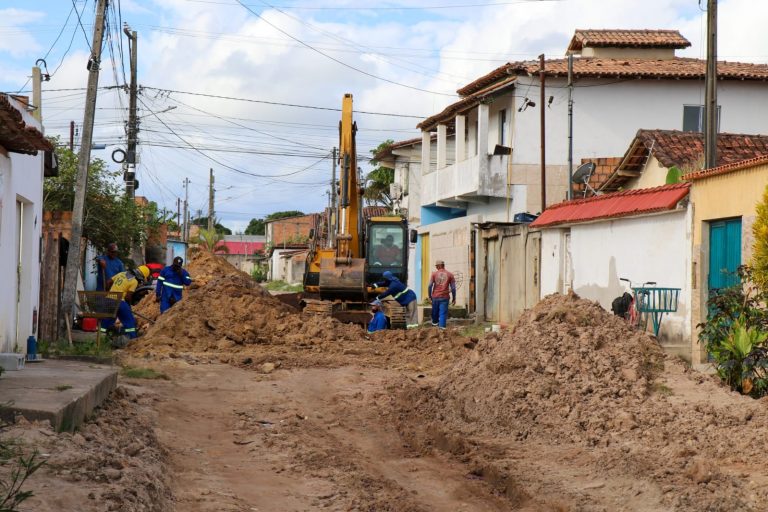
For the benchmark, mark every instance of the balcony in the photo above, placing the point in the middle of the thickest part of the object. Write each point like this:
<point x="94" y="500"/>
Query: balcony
<point x="472" y="180"/>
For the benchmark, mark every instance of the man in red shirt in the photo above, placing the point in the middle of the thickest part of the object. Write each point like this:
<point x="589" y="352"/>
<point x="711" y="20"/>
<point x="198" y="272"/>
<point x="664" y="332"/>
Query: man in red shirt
<point x="440" y="284"/>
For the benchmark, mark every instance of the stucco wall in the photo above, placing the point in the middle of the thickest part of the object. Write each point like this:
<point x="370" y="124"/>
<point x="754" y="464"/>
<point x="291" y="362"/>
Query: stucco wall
<point x="735" y="194"/>
<point x="21" y="180"/>
<point x="649" y="248"/>
<point x="449" y="241"/>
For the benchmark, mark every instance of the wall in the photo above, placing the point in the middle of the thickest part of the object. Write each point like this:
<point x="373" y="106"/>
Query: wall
<point x="291" y="230"/>
<point x="735" y="194"/>
<point x="653" y="175"/>
<point x="21" y="181"/>
<point x="647" y="248"/>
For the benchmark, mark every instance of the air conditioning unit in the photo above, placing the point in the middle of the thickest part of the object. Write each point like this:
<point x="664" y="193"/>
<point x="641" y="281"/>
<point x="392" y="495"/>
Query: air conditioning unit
<point x="395" y="191"/>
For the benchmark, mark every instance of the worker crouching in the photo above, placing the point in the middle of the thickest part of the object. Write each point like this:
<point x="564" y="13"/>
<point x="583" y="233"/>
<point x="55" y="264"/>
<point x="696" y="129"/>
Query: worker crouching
<point x="125" y="283"/>
<point x="378" y="321"/>
<point x="403" y="295"/>
<point x="171" y="283"/>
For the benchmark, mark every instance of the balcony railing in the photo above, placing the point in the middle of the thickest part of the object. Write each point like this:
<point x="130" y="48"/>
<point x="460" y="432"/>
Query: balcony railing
<point x="465" y="179"/>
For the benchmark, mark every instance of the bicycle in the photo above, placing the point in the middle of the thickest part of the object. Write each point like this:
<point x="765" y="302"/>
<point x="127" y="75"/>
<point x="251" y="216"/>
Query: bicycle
<point x="628" y="307"/>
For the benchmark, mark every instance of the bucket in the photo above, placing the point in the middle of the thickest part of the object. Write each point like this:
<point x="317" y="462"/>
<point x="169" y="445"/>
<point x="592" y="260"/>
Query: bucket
<point x="31" y="347"/>
<point x="89" y="324"/>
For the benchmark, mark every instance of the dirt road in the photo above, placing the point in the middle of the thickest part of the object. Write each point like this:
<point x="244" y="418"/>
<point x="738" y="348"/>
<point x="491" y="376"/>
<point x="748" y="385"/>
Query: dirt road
<point x="305" y="439"/>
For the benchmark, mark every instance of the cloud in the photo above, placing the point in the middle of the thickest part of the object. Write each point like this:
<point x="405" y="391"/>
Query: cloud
<point x="16" y="40"/>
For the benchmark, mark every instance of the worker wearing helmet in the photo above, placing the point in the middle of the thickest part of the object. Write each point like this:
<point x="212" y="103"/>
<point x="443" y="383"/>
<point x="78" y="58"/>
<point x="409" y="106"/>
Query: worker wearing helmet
<point x="171" y="283"/>
<point x="378" y="320"/>
<point x="403" y="295"/>
<point x="126" y="283"/>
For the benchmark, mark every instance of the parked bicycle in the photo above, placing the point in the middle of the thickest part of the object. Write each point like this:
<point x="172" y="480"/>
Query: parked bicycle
<point x="633" y="306"/>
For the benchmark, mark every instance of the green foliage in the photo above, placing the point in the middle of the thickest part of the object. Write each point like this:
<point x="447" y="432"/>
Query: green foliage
<point x="283" y="215"/>
<point x="203" y="223"/>
<point x="11" y="495"/>
<point x="109" y="216"/>
<point x="259" y="273"/>
<point x="78" y="348"/>
<point x="759" y="261"/>
<point x="282" y="286"/>
<point x="259" y="226"/>
<point x="209" y="241"/>
<point x="735" y="334"/>
<point x="378" y="180"/>
<point x="674" y="175"/>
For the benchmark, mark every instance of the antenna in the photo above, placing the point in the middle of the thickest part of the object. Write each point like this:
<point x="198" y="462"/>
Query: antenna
<point x="582" y="175"/>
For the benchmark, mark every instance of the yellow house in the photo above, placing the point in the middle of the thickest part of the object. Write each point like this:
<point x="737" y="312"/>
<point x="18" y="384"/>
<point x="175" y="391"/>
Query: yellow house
<point x="724" y="208"/>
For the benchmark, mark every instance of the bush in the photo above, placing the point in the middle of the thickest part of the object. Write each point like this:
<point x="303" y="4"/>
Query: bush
<point x="735" y="334"/>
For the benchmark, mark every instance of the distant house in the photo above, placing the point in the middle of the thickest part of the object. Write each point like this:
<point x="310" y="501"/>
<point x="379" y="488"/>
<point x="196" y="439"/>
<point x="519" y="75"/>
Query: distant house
<point x="244" y="251"/>
<point x="21" y="217"/>
<point x="284" y="237"/>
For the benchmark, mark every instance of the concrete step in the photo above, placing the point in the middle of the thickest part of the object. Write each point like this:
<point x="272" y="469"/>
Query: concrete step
<point x="62" y="392"/>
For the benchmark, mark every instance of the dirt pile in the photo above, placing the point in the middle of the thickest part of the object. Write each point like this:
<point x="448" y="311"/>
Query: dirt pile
<point x="571" y="402"/>
<point x="113" y="462"/>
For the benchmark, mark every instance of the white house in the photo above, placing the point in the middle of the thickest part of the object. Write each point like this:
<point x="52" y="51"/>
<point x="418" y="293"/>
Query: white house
<point x="21" y="216"/>
<point x="484" y="163"/>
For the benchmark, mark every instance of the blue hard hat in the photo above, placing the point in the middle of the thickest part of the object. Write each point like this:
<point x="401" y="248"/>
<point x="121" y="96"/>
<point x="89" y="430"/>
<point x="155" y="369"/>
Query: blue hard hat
<point x="388" y="275"/>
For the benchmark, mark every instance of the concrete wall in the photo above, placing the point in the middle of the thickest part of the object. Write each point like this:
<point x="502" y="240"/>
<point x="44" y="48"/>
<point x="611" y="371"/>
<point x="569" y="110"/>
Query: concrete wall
<point x="735" y="194"/>
<point x="648" y="248"/>
<point x="21" y="193"/>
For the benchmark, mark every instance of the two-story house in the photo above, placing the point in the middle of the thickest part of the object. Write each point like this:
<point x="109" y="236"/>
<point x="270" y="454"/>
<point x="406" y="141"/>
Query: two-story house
<point x="484" y="150"/>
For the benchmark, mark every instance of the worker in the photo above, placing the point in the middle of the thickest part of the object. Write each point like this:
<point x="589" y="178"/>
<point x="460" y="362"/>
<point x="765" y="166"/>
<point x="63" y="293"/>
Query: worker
<point x="126" y="283"/>
<point x="440" y="283"/>
<point x="387" y="253"/>
<point x="403" y="295"/>
<point x="108" y="265"/>
<point x="378" y="321"/>
<point x="171" y="283"/>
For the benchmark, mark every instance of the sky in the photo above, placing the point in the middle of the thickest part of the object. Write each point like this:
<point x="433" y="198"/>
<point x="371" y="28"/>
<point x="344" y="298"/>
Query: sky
<point x="267" y="77"/>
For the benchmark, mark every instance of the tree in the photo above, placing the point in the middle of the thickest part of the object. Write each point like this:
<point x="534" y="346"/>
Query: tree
<point x="378" y="180"/>
<point x="259" y="227"/>
<point x="203" y="223"/>
<point x="760" y="247"/>
<point x="109" y="215"/>
<point x="209" y="240"/>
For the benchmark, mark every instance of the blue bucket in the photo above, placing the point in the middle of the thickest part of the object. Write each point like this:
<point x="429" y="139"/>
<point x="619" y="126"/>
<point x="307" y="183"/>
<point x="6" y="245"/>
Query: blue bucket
<point x="31" y="348"/>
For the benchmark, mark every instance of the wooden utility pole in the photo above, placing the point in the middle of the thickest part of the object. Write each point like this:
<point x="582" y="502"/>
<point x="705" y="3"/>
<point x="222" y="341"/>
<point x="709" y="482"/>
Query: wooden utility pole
<point x="71" y="135"/>
<point x="178" y="214"/>
<point x="73" y="258"/>
<point x="570" y="126"/>
<point x="185" y="236"/>
<point x="133" y="128"/>
<point x="710" y="127"/>
<point x="211" y="224"/>
<point x="334" y="213"/>
<point x="542" y="81"/>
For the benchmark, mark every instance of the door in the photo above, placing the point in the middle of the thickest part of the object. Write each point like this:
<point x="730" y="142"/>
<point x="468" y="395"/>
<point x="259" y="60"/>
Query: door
<point x="724" y="253"/>
<point x="492" y="277"/>
<point x="425" y="266"/>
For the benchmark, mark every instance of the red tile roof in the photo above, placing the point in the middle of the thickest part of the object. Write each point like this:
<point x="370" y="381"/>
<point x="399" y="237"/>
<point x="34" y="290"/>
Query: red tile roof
<point x="245" y="248"/>
<point x="684" y="150"/>
<point x="618" y="204"/>
<point x="587" y="67"/>
<point x="627" y="39"/>
<point x="725" y="169"/>
<point x="15" y="135"/>
<point x="490" y="89"/>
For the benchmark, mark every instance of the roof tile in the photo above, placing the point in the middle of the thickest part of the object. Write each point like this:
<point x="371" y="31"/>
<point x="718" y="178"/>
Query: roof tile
<point x="627" y="39"/>
<point x="15" y="135"/>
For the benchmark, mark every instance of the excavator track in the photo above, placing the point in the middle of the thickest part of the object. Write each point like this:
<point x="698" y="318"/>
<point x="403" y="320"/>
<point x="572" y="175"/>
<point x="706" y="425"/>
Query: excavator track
<point x="318" y="307"/>
<point x="396" y="314"/>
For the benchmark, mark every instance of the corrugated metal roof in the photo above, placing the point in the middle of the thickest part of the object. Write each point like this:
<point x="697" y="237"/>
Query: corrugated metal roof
<point x="618" y="204"/>
<point x="246" y="248"/>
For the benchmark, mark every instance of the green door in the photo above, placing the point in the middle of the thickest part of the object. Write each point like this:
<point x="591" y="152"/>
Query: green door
<point x="724" y="253"/>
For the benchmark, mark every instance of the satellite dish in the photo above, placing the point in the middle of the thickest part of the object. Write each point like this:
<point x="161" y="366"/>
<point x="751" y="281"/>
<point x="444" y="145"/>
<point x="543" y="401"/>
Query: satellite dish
<point x="582" y="176"/>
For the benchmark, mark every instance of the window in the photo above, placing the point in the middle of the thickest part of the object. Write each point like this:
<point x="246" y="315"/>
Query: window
<point x="502" y="127"/>
<point x="386" y="245"/>
<point x="694" y="118"/>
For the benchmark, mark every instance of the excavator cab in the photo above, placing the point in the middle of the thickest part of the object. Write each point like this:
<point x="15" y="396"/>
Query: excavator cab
<point x="386" y="248"/>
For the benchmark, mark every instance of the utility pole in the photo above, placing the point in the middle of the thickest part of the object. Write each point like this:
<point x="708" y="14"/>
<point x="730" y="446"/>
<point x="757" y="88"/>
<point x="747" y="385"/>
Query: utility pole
<point x="73" y="258"/>
<point x="71" y="135"/>
<point x="570" y="126"/>
<point x="710" y="119"/>
<point x="211" y="225"/>
<point x="37" y="93"/>
<point x="334" y="213"/>
<point x="542" y="81"/>
<point x="185" y="236"/>
<point x="178" y="214"/>
<point x="130" y="160"/>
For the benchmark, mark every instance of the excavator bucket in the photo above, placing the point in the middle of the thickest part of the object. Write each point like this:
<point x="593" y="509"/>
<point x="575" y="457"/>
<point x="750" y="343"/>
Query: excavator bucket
<point x="342" y="278"/>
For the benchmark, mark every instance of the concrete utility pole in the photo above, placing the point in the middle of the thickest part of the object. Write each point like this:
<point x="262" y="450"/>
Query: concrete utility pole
<point x="211" y="225"/>
<point x="185" y="235"/>
<point x="71" y="135"/>
<point x="334" y="213"/>
<point x="570" y="126"/>
<point x="178" y="213"/>
<point x="542" y="80"/>
<point x="130" y="160"/>
<point x="710" y="128"/>
<point x="37" y="93"/>
<point x="73" y="258"/>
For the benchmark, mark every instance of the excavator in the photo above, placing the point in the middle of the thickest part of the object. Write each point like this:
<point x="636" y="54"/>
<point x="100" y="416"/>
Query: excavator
<point x="353" y="250"/>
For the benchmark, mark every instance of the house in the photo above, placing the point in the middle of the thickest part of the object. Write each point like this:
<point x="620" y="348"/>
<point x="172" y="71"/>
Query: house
<point x="285" y="237"/>
<point x="483" y="151"/>
<point x="244" y="251"/>
<point x="21" y="216"/>
<point x="725" y="200"/>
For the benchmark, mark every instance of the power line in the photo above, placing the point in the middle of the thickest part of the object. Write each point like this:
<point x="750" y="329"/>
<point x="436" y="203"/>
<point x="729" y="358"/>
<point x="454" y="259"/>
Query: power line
<point x="388" y="8"/>
<point x="316" y="50"/>
<point x="80" y="22"/>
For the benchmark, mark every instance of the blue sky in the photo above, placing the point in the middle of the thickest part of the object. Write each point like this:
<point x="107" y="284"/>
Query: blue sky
<point x="418" y="55"/>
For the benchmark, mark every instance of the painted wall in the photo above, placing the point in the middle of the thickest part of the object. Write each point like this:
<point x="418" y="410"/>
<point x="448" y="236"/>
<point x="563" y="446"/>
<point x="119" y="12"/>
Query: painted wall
<point x="648" y="248"/>
<point x="607" y="117"/>
<point x="21" y="192"/>
<point x="735" y="194"/>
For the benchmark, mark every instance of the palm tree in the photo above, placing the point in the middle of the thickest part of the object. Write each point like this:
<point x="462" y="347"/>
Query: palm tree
<point x="209" y="240"/>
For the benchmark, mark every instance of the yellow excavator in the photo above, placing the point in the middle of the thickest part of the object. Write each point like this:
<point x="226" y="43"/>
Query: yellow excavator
<point x="354" y="250"/>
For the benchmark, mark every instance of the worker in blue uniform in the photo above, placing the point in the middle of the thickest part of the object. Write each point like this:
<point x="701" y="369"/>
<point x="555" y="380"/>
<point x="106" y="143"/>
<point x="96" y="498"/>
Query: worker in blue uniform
<point x="171" y="283"/>
<point x="379" y="321"/>
<point x="403" y="295"/>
